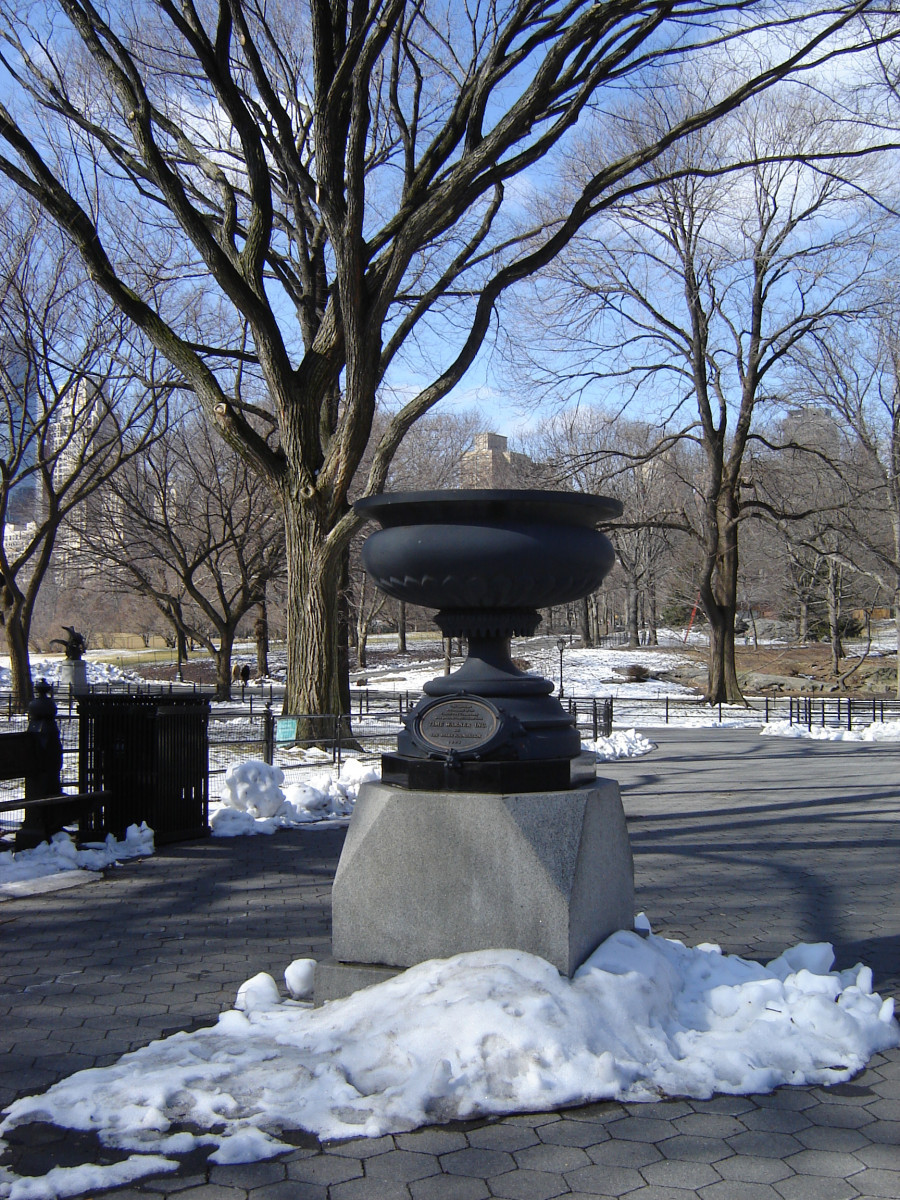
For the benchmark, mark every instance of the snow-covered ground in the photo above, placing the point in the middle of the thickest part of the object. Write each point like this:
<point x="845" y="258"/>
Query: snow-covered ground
<point x="878" y="731"/>
<point x="61" y="854"/>
<point x="495" y="1031"/>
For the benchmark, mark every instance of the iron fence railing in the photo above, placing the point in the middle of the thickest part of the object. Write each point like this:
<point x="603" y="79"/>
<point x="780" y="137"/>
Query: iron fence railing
<point x="298" y="743"/>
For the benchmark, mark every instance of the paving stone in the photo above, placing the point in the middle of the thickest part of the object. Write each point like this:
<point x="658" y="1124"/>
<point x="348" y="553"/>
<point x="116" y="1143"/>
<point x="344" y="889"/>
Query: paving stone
<point x="748" y="1169"/>
<point x="709" y="1125"/>
<point x="872" y="1181"/>
<point x="815" y="1187"/>
<point x="886" y="1156"/>
<point x="449" y="1187"/>
<point x="170" y="1183"/>
<point x="324" y="1169"/>
<point x="824" y="1162"/>
<point x="213" y="1191"/>
<point x="533" y="1120"/>
<point x="823" y="1137"/>
<point x="689" y="1148"/>
<point x="604" y="1180"/>
<point x="661" y="1110"/>
<point x="248" y="1175"/>
<point x="360" y="1147"/>
<point x="402" y="1166"/>
<point x="885" y="1110"/>
<point x="888" y="1088"/>
<point x="624" y="1154"/>
<point x="884" y="1131"/>
<point x="528" y="1185"/>
<point x="551" y="1158"/>
<point x="672" y="1173"/>
<point x="477" y="1162"/>
<point x="573" y="1133"/>
<point x="602" y="1112"/>
<point x="793" y="1099"/>
<point x="727" y="1106"/>
<point x="286" y="1190"/>
<point x="361" y="1189"/>
<point x="505" y="1136"/>
<point x="732" y="1189"/>
<point x="655" y="1191"/>
<point x="642" y="1129"/>
<point x="840" y="1116"/>
<point x="765" y="1144"/>
<point x="855" y="1094"/>
<point x="432" y="1140"/>
<point x="777" y="1120"/>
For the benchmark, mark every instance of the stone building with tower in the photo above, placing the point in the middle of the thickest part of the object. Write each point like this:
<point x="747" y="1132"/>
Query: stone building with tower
<point x="490" y="464"/>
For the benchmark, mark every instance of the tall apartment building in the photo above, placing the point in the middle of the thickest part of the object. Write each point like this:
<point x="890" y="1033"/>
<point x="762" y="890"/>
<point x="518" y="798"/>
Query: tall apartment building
<point x="491" y="465"/>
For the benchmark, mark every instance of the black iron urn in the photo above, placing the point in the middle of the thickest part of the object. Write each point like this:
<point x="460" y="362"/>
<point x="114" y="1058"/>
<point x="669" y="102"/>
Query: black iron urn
<point x="487" y="560"/>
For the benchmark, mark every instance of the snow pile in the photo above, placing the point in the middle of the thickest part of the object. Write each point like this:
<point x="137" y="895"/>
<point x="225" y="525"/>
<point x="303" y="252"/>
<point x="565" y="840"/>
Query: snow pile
<point x="252" y="800"/>
<point x="621" y="744"/>
<point x="49" y="668"/>
<point x="61" y="854"/>
<point x="878" y="731"/>
<point x="253" y="787"/>
<point x="490" y="1032"/>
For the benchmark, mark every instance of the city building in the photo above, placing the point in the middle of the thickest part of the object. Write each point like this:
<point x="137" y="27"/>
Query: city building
<point x="491" y="465"/>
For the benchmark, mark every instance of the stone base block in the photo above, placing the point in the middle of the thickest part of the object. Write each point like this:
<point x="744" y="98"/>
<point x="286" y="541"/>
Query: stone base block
<point x="335" y="979"/>
<point x="73" y="675"/>
<point x="430" y="874"/>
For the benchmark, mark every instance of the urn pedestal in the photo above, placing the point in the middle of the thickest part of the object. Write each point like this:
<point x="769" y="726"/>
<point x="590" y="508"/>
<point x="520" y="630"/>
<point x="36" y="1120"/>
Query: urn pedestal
<point x="488" y="828"/>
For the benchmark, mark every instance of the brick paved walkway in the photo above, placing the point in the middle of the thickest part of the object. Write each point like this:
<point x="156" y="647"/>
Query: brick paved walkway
<point x="752" y="842"/>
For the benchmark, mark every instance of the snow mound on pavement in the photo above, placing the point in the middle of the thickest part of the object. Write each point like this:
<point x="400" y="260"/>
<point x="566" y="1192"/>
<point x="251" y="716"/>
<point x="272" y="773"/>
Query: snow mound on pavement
<point x="490" y="1032"/>
<point x="61" y="854"/>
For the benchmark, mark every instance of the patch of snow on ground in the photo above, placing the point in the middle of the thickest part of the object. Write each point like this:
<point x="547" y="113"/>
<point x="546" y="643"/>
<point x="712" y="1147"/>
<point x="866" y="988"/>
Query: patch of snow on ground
<point x="878" y="731"/>
<point x="621" y="744"/>
<point x="61" y="854"/>
<point x="490" y="1032"/>
<point x="252" y="800"/>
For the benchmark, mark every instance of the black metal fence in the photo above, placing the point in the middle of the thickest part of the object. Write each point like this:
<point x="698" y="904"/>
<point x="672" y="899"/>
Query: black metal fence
<point x="299" y="743"/>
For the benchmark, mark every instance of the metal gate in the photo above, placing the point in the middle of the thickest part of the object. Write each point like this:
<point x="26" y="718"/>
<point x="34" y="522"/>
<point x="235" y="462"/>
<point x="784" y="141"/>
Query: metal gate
<point x="151" y="753"/>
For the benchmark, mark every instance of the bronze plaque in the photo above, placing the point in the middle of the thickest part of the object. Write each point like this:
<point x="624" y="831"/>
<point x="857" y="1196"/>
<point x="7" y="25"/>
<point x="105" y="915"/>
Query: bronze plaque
<point x="458" y="723"/>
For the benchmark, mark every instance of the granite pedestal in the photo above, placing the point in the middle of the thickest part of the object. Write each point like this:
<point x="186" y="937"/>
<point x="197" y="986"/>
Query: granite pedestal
<point x="73" y="675"/>
<point x="432" y="874"/>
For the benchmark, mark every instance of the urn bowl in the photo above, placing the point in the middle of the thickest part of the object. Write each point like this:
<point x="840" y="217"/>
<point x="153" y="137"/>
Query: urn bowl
<point x="488" y="549"/>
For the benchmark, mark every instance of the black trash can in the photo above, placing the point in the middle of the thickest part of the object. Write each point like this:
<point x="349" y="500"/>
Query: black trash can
<point x="151" y="753"/>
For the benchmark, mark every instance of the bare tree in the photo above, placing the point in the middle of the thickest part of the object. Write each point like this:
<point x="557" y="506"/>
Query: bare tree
<point x="190" y="526"/>
<point x="858" y="377"/>
<point x="595" y="450"/>
<point x="692" y="297"/>
<point x="80" y="395"/>
<point x="341" y="172"/>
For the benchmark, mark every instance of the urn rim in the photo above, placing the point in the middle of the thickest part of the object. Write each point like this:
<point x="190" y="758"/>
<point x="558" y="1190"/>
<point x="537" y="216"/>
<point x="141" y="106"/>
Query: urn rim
<point x="488" y="505"/>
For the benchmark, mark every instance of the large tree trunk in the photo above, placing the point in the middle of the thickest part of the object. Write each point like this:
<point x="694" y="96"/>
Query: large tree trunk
<point x="181" y="654"/>
<point x="723" y="683"/>
<point x="587" y="634"/>
<point x="17" y="642"/>
<point x="223" y="665"/>
<point x="653" y="619"/>
<point x="632" y="598"/>
<point x="803" y="621"/>
<point x="718" y="594"/>
<point x="401" y="628"/>
<point x="261" y="632"/>
<point x="317" y="679"/>
<point x="833" y="593"/>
